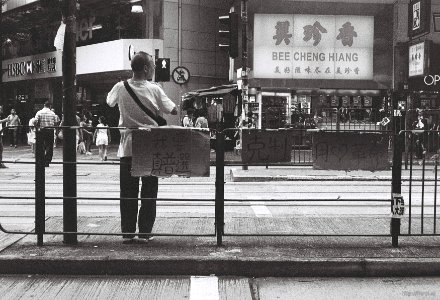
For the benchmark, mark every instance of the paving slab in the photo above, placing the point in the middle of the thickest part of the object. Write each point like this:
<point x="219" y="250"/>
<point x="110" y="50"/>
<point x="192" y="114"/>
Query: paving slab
<point x="239" y="255"/>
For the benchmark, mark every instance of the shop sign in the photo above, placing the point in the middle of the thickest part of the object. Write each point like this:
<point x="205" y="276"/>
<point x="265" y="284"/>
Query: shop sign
<point x="114" y="55"/>
<point x="313" y="46"/>
<point x="45" y="65"/>
<point x="334" y="101"/>
<point x="368" y="101"/>
<point x="419" y="17"/>
<point x="345" y="101"/>
<point x="431" y="79"/>
<point x="417" y="59"/>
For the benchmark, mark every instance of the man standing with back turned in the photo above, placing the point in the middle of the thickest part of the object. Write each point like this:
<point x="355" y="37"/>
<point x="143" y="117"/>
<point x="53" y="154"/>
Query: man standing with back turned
<point x="47" y="118"/>
<point x="153" y="97"/>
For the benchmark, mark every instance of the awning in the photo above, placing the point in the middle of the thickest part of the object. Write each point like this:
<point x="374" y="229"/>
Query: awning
<point x="188" y="98"/>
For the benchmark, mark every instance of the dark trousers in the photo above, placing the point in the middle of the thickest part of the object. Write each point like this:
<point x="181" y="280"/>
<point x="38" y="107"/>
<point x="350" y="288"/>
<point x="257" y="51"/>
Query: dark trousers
<point x="13" y="136"/>
<point x="47" y="135"/>
<point x="129" y="208"/>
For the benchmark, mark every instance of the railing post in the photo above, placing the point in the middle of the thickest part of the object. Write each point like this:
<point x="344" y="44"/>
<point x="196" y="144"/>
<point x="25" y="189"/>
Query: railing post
<point x="40" y="195"/>
<point x="220" y="187"/>
<point x="396" y="187"/>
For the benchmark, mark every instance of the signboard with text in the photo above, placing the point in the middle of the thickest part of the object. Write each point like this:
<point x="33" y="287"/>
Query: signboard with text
<point x="47" y="65"/>
<point x="417" y="59"/>
<point x="313" y="46"/>
<point x="350" y="151"/>
<point x="419" y="17"/>
<point x="168" y="151"/>
<point x="269" y="146"/>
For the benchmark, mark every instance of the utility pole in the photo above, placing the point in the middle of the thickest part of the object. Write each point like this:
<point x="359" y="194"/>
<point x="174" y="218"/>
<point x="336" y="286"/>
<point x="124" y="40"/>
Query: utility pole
<point x="69" y="142"/>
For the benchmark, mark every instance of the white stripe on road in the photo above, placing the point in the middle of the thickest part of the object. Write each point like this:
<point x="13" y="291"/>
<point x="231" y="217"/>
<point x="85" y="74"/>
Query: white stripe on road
<point x="260" y="210"/>
<point x="204" y="288"/>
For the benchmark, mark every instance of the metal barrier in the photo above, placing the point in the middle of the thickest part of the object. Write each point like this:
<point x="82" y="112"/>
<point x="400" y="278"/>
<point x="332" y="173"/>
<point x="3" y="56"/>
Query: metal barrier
<point x="40" y="195"/>
<point x="220" y="201"/>
<point x="420" y="184"/>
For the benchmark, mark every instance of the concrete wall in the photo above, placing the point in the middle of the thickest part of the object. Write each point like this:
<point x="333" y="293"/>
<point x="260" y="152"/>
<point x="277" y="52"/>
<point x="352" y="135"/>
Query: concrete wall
<point x="200" y="53"/>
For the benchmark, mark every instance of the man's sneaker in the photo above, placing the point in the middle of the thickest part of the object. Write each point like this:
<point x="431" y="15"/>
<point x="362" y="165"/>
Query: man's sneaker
<point x="150" y="238"/>
<point x="88" y="153"/>
<point x="135" y="241"/>
<point x="128" y="241"/>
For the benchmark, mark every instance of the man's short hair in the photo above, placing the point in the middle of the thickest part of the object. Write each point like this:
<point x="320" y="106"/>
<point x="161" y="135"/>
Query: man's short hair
<point x="141" y="59"/>
<point x="47" y="104"/>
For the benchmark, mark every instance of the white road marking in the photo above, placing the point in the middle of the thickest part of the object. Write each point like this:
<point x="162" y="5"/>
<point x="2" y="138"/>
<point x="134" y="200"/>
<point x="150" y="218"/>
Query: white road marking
<point x="204" y="288"/>
<point x="260" y="210"/>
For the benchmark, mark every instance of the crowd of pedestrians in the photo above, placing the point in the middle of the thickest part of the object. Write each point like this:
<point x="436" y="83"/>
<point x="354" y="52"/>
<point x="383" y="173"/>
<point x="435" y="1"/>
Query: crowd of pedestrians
<point x="47" y="120"/>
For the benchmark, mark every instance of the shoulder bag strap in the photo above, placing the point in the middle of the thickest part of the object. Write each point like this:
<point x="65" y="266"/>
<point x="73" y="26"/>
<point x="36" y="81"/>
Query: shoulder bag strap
<point x="139" y="103"/>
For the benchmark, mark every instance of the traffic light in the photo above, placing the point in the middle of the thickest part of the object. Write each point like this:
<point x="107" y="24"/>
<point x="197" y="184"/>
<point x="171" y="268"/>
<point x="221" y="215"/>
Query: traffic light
<point x="162" y="69"/>
<point x="229" y="29"/>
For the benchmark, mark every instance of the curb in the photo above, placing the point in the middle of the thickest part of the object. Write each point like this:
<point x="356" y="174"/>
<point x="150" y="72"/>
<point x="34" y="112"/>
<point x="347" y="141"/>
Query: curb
<point x="263" y="178"/>
<point x="331" y="267"/>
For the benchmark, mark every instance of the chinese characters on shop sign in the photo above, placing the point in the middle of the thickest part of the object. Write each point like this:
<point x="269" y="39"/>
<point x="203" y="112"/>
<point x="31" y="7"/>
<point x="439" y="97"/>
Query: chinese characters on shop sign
<point x="315" y="47"/>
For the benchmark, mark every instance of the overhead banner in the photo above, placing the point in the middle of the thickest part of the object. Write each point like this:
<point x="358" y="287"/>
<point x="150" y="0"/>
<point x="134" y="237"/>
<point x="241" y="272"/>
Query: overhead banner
<point x="269" y="146"/>
<point x="168" y="151"/>
<point x="350" y="151"/>
<point x="313" y="46"/>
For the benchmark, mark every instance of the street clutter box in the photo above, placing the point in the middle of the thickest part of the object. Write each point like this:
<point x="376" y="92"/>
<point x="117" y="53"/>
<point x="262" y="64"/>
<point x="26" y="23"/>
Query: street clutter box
<point x="166" y="151"/>
<point x="350" y="151"/>
<point x="268" y="146"/>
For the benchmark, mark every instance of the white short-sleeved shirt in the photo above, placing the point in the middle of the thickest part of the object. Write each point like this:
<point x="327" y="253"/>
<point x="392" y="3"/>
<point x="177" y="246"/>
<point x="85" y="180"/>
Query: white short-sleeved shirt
<point x="131" y="115"/>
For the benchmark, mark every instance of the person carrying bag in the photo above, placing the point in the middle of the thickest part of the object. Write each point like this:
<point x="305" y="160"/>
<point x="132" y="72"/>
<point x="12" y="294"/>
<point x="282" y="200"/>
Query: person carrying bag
<point x="139" y="102"/>
<point x="158" y="119"/>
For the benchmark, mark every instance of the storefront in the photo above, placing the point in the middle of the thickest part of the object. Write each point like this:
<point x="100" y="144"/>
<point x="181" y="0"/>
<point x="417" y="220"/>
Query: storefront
<point x="313" y="59"/>
<point x="107" y="34"/>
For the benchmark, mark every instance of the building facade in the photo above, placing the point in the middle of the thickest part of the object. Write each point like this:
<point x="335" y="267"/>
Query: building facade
<point x="108" y="34"/>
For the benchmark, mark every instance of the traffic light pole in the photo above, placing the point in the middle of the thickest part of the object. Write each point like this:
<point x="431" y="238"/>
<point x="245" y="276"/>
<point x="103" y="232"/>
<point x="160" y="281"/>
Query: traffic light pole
<point x="244" y="61"/>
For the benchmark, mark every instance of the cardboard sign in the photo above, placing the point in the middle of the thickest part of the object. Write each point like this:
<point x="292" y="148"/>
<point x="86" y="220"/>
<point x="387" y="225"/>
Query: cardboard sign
<point x="168" y="151"/>
<point x="350" y="151"/>
<point x="398" y="208"/>
<point x="268" y="146"/>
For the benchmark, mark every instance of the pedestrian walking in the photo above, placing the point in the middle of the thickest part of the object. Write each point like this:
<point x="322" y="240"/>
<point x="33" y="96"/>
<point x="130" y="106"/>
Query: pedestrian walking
<point x="46" y="120"/>
<point x="87" y="130"/>
<point x="31" y="134"/>
<point x="147" y="97"/>
<point x="13" y="122"/>
<point x="2" y="165"/>
<point x="102" y="138"/>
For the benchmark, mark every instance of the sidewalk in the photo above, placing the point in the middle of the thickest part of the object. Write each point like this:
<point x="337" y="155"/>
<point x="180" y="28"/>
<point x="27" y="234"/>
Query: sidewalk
<point x="244" y="256"/>
<point x="240" y="255"/>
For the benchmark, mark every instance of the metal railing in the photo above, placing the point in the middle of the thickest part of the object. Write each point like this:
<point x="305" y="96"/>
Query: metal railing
<point x="219" y="200"/>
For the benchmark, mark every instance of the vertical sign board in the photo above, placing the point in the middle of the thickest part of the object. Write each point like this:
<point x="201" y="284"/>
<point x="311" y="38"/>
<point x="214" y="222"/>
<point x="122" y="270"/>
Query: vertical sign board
<point x="419" y="17"/>
<point x="418" y="59"/>
<point x="350" y="151"/>
<point x="168" y="151"/>
<point x="270" y="146"/>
